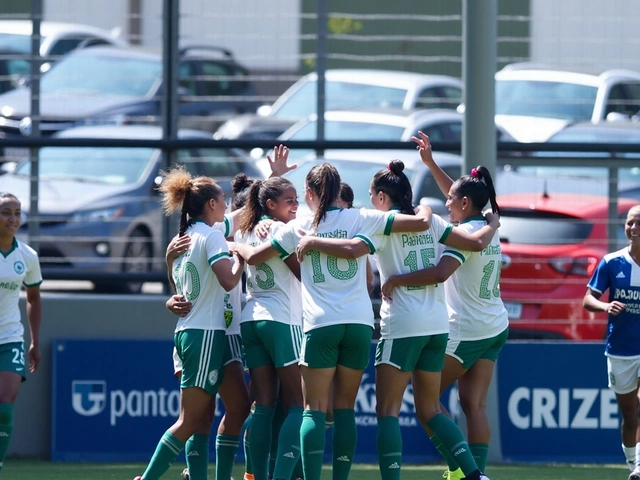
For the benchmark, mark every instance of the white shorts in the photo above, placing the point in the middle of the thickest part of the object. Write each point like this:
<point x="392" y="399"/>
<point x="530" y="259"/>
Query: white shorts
<point x="623" y="374"/>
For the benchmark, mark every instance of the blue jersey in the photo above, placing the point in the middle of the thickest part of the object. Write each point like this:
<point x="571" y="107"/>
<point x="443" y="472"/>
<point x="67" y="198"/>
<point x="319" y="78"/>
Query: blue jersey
<point x="618" y="273"/>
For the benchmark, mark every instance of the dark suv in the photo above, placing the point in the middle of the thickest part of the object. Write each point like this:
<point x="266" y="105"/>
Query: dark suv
<point x="108" y="85"/>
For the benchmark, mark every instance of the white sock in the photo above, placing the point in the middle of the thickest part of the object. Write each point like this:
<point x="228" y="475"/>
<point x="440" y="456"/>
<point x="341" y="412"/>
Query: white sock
<point x="637" y="456"/>
<point x="630" y="455"/>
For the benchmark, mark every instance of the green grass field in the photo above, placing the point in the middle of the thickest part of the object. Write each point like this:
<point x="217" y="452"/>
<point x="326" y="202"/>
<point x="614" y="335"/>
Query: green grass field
<point x="41" y="470"/>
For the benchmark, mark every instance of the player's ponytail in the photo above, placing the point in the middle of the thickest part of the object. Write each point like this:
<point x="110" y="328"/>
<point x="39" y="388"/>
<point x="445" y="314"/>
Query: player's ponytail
<point x="324" y="181"/>
<point x="393" y="182"/>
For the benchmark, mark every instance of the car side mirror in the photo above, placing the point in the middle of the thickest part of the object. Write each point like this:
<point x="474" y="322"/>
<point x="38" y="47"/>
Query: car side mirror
<point x="264" y="110"/>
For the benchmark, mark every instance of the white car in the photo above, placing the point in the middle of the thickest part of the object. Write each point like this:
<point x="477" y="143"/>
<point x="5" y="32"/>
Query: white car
<point x="57" y="39"/>
<point x="346" y="89"/>
<point x="533" y="103"/>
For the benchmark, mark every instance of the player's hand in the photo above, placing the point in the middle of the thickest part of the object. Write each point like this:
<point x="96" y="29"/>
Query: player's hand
<point x="615" y="307"/>
<point x="279" y="165"/>
<point x="304" y="245"/>
<point x="34" y="358"/>
<point x="424" y="148"/>
<point x="178" y="305"/>
<point x="386" y="290"/>
<point x="177" y="246"/>
<point x="262" y="228"/>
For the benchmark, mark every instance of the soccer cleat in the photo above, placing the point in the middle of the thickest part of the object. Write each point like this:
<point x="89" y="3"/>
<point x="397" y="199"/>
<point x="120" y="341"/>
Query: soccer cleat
<point x="138" y="478"/>
<point x="185" y="474"/>
<point x="455" y="475"/>
<point x="249" y="476"/>
<point x="635" y="475"/>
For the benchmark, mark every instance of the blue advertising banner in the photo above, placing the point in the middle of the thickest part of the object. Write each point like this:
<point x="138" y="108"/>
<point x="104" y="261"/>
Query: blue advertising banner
<point x="113" y="400"/>
<point x="555" y="405"/>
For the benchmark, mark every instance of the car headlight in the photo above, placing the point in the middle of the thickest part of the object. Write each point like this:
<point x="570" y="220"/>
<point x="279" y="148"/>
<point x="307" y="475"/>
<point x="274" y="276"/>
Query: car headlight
<point x="101" y="215"/>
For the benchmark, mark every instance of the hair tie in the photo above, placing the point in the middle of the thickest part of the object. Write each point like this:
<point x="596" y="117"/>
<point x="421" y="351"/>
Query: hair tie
<point x="389" y="167"/>
<point x="475" y="173"/>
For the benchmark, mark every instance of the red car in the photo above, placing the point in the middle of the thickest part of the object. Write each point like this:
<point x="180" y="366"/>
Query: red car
<point x="551" y="245"/>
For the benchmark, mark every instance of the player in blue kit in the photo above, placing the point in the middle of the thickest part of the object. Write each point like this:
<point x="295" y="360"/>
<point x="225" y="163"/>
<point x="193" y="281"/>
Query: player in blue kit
<point x="619" y="272"/>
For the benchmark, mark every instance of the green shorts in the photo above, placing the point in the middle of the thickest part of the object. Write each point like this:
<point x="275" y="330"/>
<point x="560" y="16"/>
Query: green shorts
<point x="201" y="353"/>
<point x="413" y="353"/>
<point x="12" y="359"/>
<point x="233" y="350"/>
<point x="267" y="342"/>
<point x="469" y="352"/>
<point x="346" y="344"/>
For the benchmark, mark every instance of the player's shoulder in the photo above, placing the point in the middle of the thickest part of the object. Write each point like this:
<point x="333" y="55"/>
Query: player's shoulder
<point x="619" y="256"/>
<point x="26" y="250"/>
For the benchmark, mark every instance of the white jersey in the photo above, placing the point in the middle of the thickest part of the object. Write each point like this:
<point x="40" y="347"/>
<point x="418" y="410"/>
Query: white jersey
<point x="233" y="308"/>
<point x="17" y="267"/>
<point x="273" y="291"/>
<point x="415" y="310"/>
<point x="473" y="291"/>
<point x="334" y="290"/>
<point x="195" y="279"/>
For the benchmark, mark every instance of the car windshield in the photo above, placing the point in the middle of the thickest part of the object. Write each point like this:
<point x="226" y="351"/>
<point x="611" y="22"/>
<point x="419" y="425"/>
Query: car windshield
<point x="524" y="227"/>
<point x="350" y="131"/>
<point x="16" y="42"/>
<point x="356" y="173"/>
<point x="118" y="166"/>
<point x="561" y="100"/>
<point x="102" y="74"/>
<point x="340" y="95"/>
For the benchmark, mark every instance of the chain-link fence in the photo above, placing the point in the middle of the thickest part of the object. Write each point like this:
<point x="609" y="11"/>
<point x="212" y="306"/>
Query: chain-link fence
<point x="104" y="135"/>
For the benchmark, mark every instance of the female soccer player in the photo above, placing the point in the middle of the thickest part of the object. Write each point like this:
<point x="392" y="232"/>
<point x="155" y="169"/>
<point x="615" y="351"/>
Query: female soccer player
<point x="271" y="329"/>
<point x="203" y="275"/>
<point x="619" y="272"/>
<point x="478" y="321"/>
<point x="18" y="266"/>
<point x="409" y="347"/>
<point x="233" y="389"/>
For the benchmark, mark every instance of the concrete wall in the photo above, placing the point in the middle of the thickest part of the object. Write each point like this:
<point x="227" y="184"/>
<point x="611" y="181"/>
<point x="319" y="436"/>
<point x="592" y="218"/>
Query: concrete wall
<point x="85" y="316"/>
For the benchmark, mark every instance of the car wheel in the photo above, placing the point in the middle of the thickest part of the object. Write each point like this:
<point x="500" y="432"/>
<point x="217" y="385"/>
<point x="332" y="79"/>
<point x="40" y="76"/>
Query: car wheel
<point x="136" y="259"/>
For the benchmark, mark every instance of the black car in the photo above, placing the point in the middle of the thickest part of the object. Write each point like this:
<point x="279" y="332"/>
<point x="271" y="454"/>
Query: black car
<point x="118" y="86"/>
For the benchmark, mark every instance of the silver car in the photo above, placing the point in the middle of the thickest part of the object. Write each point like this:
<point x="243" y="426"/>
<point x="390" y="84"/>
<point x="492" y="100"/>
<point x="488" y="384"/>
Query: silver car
<point x="99" y="209"/>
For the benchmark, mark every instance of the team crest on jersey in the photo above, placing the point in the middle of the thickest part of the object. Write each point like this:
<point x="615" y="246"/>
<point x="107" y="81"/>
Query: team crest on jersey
<point x="19" y="267"/>
<point x="228" y="318"/>
<point x="213" y="377"/>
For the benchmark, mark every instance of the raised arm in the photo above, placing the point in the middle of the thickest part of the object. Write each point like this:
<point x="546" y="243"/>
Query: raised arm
<point x="443" y="180"/>
<point x="427" y="276"/>
<point x="335" y="247"/>
<point x="476" y="241"/>
<point x="279" y="165"/>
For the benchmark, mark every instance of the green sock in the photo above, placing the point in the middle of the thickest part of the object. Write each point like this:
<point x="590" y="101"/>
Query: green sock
<point x="288" y="451"/>
<point x="345" y="436"/>
<point x="480" y="452"/>
<point x="226" y="450"/>
<point x="276" y="424"/>
<point x="6" y="427"/>
<point x="196" y="452"/>
<point x="166" y="452"/>
<point x="451" y="463"/>
<point x="259" y="441"/>
<point x="453" y="440"/>
<point x="247" y="455"/>
<point x="389" y="442"/>
<point x="312" y="443"/>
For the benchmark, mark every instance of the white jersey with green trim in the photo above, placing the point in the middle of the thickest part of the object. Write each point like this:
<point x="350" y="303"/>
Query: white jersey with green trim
<point x="273" y="291"/>
<point x="414" y="311"/>
<point x="475" y="309"/>
<point x="232" y="299"/>
<point x="195" y="279"/>
<point x="17" y="267"/>
<point x="334" y="290"/>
